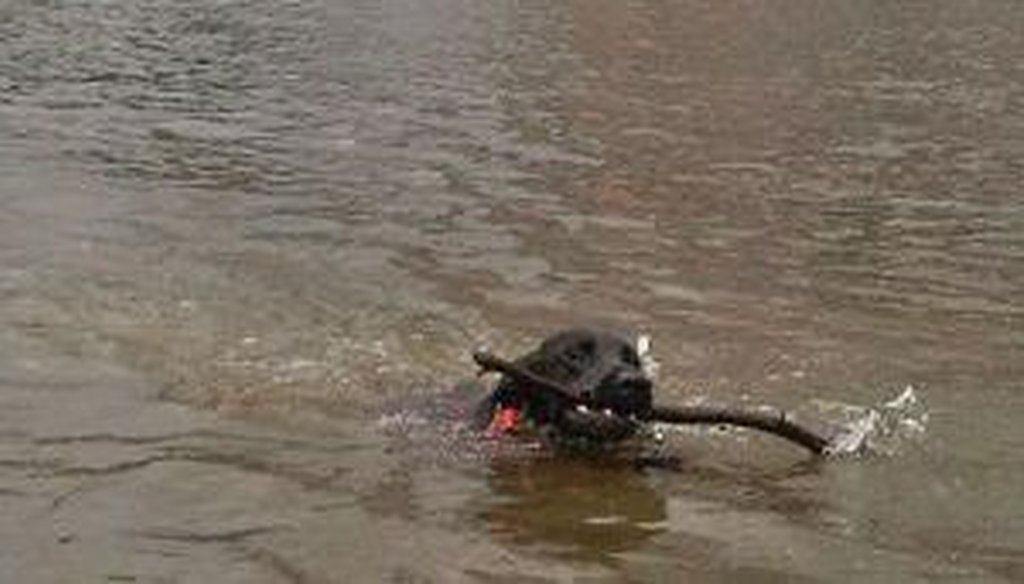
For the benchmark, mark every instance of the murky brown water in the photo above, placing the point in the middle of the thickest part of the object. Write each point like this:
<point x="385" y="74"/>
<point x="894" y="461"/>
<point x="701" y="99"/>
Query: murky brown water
<point x="237" y="236"/>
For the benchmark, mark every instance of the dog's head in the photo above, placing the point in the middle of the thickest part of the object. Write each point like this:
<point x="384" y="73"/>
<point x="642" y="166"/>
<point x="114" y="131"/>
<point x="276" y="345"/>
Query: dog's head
<point x="602" y="367"/>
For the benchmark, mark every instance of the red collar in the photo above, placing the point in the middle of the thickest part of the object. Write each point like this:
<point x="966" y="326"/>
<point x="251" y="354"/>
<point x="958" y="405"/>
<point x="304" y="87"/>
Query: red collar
<point x="506" y="419"/>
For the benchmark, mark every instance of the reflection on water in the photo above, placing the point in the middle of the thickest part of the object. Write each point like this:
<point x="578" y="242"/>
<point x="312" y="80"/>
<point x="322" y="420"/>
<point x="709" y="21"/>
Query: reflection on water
<point x="287" y="217"/>
<point x="578" y="507"/>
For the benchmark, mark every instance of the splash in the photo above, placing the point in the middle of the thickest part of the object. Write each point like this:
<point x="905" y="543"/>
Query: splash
<point x="880" y="430"/>
<point x="647" y="361"/>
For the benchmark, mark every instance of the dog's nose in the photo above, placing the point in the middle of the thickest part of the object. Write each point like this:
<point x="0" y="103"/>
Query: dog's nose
<point x="625" y="392"/>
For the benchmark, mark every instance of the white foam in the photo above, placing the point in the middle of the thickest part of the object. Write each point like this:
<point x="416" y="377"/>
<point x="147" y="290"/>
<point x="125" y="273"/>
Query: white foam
<point x="854" y="436"/>
<point x="882" y="430"/>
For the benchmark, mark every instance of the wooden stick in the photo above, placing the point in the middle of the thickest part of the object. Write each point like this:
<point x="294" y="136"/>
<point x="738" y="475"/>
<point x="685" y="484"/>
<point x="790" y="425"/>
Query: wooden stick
<point x="530" y="380"/>
<point x="773" y="422"/>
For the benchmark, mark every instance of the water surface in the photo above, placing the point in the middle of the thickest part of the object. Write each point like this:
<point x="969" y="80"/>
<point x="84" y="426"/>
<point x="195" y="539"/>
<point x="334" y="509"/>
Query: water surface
<point x="243" y="243"/>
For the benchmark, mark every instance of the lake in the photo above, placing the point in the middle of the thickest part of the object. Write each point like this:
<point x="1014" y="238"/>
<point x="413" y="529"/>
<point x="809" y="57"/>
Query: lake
<point x="248" y="246"/>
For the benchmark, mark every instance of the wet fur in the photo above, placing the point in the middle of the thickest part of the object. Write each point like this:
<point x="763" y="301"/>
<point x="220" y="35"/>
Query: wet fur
<point x="602" y="366"/>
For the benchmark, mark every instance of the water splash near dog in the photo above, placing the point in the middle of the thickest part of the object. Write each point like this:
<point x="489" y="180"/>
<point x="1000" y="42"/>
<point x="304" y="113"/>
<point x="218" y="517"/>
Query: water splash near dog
<point x="884" y="429"/>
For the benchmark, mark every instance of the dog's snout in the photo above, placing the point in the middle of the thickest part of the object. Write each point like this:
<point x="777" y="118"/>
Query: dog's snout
<point x="626" y="392"/>
<point x="627" y="378"/>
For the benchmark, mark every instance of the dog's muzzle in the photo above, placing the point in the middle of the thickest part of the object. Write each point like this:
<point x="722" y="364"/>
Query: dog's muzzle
<point x="626" y="393"/>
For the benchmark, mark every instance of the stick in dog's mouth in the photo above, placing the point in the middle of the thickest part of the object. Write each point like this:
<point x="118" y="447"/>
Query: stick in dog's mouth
<point x="584" y="414"/>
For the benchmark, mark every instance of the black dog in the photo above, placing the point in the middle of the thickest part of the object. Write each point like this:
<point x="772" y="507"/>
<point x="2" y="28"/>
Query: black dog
<point x="600" y="368"/>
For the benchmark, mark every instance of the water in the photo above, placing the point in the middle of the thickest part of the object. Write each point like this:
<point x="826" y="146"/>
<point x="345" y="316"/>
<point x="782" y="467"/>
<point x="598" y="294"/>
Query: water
<point x="246" y="248"/>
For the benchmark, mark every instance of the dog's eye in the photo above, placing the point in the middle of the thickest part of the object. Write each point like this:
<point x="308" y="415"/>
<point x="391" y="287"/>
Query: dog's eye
<point x="589" y="347"/>
<point x="629" y="356"/>
<point x="583" y="353"/>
